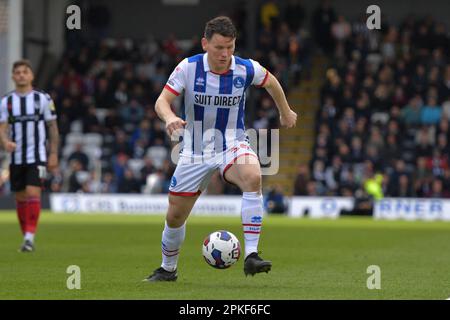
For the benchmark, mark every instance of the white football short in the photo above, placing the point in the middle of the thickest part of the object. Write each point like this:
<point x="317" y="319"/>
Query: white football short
<point x="192" y="174"/>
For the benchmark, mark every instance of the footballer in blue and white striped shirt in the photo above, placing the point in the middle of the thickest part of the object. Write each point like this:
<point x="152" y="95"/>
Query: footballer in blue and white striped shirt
<point x="212" y="126"/>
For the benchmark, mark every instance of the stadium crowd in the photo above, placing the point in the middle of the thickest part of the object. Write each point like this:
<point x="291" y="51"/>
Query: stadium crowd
<point x="383" y="124"/>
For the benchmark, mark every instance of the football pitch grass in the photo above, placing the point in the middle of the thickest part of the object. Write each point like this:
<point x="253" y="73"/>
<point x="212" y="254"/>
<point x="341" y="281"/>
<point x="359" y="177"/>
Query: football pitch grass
<point x="312" y="259"/>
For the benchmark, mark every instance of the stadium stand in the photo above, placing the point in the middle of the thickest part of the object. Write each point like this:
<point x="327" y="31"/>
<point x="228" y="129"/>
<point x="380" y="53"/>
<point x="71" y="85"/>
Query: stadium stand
<point x="384" y="113"/>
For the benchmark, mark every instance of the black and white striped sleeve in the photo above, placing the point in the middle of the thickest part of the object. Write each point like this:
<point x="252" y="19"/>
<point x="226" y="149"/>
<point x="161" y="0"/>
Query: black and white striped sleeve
<point x="3" y="111"/>
<point x="49" y="109"/>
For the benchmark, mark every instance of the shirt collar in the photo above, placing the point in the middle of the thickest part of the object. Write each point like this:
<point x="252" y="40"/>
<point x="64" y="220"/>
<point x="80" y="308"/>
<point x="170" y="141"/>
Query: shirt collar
<point x="23" y="94"/>
<point x="206" y="65"/>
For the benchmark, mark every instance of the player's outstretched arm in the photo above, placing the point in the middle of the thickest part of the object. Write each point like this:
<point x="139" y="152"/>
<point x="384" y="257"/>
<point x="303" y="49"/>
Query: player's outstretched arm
<point x="53" y="136"/>
<point x="288" y="118"/>
<point x="165" y="113"/>
<point x="5" y="143"/>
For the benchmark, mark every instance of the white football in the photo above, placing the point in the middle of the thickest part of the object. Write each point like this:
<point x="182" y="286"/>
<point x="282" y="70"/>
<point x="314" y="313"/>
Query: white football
<point x="221" y="249"/>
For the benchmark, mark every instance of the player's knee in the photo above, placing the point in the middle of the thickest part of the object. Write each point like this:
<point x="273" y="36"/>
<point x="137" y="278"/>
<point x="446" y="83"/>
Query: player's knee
<point x="33" y="192"/>
<point x="251" y="182"/>
<point x="177" y="214"/>
<point x="21" y="196"/>
<point x="175" y="220"/>
<point x="33" y="195"/>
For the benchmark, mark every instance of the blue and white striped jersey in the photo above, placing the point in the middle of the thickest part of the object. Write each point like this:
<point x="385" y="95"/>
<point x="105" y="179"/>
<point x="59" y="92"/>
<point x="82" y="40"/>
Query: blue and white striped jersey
<point x="214" y="104"/>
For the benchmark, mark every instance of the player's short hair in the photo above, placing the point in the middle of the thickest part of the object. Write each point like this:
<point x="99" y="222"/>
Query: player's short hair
<point x="20" y="63"/>
<point x="221" y="25"/>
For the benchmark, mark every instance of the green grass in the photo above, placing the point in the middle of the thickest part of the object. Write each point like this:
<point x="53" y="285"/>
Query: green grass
<point x="312" y="259"/>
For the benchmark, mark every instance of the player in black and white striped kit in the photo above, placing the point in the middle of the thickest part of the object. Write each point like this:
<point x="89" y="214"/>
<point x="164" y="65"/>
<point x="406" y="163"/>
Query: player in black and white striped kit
<point x="26" y="116"/>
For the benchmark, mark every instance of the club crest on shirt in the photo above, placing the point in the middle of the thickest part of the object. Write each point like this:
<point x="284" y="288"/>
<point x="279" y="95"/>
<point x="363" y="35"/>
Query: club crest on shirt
<point x="173" y="182"/>
<point x="200" y="81"/>
<point x="238" y="82"/>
